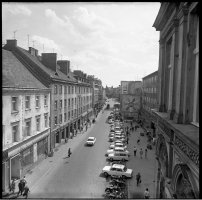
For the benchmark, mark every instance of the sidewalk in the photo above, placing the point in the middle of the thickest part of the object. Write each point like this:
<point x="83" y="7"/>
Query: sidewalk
<point x="146" y="166"/>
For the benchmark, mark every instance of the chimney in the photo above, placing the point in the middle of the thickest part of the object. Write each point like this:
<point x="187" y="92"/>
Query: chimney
<point x="50" y="60"/>
<point x="11" y="43"/>
<point x="33" y="51"/>
<point x="64" y="66"/>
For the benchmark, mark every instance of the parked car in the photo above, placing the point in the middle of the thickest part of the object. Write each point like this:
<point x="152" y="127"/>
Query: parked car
<point x="122" y="138"/>
<point x="117" y="170"/>
<point x="118" y="156"/>
<point x="91" y="141"/>
<point x="118" y="149"/>
<point x="119" y="144"/>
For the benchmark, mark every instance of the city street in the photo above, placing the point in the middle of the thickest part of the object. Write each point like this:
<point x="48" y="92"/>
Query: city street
<point x="79" y="175"/>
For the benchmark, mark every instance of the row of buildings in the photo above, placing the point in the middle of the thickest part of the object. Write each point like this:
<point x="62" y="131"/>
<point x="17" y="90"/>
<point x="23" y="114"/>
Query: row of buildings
<point x="169" y="101"/>
<point x="44" y="102"/>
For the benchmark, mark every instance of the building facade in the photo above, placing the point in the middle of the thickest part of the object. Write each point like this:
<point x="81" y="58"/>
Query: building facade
<point x="26" y="114"/>
<point x="149" y="101"/>
<point x="131" y="95"/>
<point x="177" y="116"/>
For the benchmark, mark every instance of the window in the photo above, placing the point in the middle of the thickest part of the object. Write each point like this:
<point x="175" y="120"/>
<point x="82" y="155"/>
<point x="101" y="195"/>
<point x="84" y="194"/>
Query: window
<point x="75" y="101"/>
<point x="69" y="103"/>
<point x="65" y="89"/>
<point x="72" y="102"/>
<point x="72" y="89"/>
<point x="56" y="105"/>
<point x="37" y="101"/>
<point x="27" y="128"/>
<point x="72" y="113"/>
<point x="69" y="115"/>
<point x="56" y="120"/>
<point x="15" y="132"/>
<point x="60" y="89"/>
<point x="27" y="102"/>
<point x="61" y="104"/>
<point x="55" y="89"/>
<point x="69" y="90"/>
<point x="14" y="104"/>
<point x="60" y="118"/>
<point x="45" y="100"/>
<point x="38" y="124"/>
<point x="65" y="117"/>
<point x="65" y="103"/>
<point x="46" y="120"/>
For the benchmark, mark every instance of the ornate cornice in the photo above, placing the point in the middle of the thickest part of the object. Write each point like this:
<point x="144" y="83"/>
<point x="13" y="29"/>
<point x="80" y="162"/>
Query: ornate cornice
<point x="187" y="150"/>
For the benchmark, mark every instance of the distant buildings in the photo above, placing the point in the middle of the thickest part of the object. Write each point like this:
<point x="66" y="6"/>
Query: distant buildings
<point x="130" y="98"/>
<point x="149" y="100"/>
<point x="177" y="117"/>
<point x="44" y="103"/>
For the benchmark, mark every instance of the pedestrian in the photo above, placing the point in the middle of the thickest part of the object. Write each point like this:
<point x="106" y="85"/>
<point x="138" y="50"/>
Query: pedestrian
<point x="12" y="186"/>
<point x="20" y="187"/>
<point x="23" y="182"/>
<point x="127" y="140"/>
<point x="69" y="152"/>
<point x="146" y="194"/>
<point x="135" y="150"/>
<point x="138" y="178"/>
<point x="141" y="153"/>
<point x="138" y="141"/>
<point x="145" y="153"/>
<point x="46" y="153"/>
<point x="26" y="190"/>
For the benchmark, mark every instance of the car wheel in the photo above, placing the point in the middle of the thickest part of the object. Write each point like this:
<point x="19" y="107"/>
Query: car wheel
<point x="124" y="177"/>
<point x="106" y="174"/>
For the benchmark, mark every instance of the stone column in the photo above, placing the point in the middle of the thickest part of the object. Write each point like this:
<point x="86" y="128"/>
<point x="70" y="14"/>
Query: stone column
<point x="182" y="16"/>
<point x="161" y="71"/>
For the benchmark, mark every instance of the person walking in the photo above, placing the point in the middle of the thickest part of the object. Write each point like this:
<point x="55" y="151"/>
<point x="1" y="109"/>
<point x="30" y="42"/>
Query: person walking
<point x="23" y="183"/>
<point x="138" y="178"/>
<point x="12" y="186"/>
<point x="138" y="141"/>
<point x="135" y="151"/>
<point x="141" y="153"/>
<point x="145" y="153"/>
<point x="69" y="152"/>
<point x="20" y="187"/>
<point x="146" y="194"/>
<point x="26" y="190"/>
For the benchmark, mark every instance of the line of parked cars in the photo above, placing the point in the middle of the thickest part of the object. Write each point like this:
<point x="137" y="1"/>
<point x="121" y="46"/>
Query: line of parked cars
<point x="117" y="154"/>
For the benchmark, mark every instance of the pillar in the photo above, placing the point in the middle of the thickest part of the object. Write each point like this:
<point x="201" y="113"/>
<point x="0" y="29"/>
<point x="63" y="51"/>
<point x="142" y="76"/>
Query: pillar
<point x="182" y="16"/>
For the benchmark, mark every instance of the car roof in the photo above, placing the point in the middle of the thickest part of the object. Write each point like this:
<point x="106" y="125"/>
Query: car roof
<point x="91" y="137"/>
<point x="119" y="148"/>
<point x="118" y="166"/>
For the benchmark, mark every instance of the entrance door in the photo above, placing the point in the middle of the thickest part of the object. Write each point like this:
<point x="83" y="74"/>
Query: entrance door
<point x="15" y="167"/>
<point x="57" y="137"/>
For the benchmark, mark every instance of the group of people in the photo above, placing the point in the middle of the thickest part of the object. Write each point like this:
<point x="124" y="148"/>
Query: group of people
<point x="138" y="176"/>
<point x="22" y="186"/>
<point x="141" y="152"/>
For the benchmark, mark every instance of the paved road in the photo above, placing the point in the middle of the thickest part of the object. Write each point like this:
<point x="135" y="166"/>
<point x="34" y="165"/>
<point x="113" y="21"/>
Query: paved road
<point x="77" y="176"/>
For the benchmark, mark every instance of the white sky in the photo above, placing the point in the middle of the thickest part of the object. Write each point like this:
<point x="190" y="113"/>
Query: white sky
<point x="113" y="41"/>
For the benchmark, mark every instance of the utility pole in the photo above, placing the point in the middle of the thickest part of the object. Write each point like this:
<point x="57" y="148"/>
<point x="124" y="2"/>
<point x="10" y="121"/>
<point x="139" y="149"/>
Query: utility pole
<point x="28" y="40"/>
<point x="33" y="43"/>
<point x="14" y="33"/>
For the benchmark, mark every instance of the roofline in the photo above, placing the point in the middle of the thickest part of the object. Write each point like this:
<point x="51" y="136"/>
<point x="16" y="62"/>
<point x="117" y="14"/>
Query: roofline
<point x="151" y="74"/>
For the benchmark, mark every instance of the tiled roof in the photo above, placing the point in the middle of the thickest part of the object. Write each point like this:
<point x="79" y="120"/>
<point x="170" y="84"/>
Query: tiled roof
<point x="53" y="74"/>
<point x="15" y="74"/>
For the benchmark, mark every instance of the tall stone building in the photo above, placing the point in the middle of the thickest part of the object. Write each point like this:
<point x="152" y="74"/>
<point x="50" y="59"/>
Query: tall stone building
<point x="177" y="116"/>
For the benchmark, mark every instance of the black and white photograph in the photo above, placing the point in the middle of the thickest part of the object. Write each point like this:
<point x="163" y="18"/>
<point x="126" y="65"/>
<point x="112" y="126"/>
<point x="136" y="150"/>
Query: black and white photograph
<point x="100" y="100"/>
